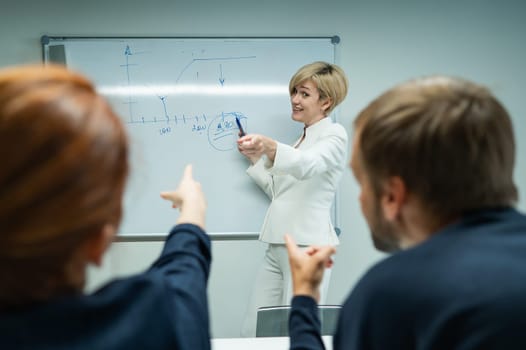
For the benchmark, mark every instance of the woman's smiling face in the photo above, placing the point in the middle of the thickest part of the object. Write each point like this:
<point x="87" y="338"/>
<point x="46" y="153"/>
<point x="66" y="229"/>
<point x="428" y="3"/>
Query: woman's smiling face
<point x="307" y="107"/>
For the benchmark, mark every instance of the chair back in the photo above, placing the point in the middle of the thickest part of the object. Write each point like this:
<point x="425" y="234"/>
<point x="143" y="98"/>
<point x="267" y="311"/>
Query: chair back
<point x="273" y="321"/>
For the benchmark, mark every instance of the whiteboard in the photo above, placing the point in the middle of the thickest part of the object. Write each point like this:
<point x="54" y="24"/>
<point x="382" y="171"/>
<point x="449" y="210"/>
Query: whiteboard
<point x="178" y="98"/>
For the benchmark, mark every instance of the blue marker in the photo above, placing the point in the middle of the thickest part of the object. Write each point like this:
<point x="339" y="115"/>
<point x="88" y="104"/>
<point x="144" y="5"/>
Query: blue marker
<point x="240" y="127"/>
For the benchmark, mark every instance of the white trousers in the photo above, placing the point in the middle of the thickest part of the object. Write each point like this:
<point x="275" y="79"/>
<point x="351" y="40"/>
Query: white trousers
<point x="273" y="286"/>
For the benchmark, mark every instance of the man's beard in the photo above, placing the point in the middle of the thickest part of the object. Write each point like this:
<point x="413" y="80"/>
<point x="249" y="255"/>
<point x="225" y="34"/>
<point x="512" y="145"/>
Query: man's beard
<point x="383" y="233"/>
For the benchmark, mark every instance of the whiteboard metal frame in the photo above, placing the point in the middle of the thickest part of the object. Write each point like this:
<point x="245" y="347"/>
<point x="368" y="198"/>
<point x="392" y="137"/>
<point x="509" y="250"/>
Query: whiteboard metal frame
<point x="161" y="237"/>
<point x="45" y="40"/>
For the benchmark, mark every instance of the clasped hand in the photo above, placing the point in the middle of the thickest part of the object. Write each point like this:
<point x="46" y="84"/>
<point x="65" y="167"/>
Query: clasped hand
<point x="307" y="267"/>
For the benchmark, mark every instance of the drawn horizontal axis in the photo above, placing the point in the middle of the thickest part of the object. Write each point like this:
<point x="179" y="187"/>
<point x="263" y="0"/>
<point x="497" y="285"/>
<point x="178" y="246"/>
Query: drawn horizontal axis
<point x="167" y="120"/>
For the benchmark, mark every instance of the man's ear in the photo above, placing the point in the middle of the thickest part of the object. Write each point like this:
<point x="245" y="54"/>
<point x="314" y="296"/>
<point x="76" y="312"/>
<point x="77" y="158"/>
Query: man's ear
<point x="393" y="198"/>
<point x="97" y="245"/>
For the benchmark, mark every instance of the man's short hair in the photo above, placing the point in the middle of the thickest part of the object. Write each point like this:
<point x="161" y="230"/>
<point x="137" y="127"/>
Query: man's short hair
<point x="450" y="140"/>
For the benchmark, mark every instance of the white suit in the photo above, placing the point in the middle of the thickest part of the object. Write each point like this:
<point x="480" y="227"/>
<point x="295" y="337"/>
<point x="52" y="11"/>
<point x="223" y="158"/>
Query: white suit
<point x="301" y="182"/>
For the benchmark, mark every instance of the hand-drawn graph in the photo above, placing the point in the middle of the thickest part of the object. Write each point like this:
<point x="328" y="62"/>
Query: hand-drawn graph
<point x="221" y="128"/>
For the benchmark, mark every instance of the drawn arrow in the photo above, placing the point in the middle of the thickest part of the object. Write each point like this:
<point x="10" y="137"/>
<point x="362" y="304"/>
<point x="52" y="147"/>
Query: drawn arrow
<point x="221" y="79"/>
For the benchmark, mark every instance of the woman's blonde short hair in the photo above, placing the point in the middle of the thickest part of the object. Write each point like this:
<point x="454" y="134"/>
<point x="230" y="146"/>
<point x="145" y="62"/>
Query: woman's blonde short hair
<point x="329" y="78"/>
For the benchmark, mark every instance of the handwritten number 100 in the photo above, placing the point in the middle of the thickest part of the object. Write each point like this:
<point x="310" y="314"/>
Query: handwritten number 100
<point x="164" y="131"/>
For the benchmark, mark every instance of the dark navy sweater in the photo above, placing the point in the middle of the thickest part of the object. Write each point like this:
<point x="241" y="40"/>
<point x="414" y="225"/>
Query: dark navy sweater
<point x="163" y="308"/>
<point x="463" y="288"/>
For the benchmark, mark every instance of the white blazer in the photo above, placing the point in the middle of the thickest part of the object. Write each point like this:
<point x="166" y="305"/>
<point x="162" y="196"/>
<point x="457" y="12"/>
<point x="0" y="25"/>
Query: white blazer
<point x="301" y="184"/>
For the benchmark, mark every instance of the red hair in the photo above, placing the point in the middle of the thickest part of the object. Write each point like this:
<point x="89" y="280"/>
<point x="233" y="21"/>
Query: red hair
<point x="64" y="165"/>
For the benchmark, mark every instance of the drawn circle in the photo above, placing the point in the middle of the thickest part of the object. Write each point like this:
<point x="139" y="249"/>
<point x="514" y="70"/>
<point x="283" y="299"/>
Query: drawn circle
<point x="223" y="131"/>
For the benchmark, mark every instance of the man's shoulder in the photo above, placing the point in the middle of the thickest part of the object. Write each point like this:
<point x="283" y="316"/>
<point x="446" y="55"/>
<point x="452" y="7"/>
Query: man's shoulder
<point x="384" y="276"/>
<point x="451" y="256"/>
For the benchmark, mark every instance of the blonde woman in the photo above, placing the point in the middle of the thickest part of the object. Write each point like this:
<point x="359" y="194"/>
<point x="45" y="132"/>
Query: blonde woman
<point x="301" y="181"/>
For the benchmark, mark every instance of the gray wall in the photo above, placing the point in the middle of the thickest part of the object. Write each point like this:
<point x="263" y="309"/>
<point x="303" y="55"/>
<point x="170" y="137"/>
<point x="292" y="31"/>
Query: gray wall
<point x="383" y="42"/>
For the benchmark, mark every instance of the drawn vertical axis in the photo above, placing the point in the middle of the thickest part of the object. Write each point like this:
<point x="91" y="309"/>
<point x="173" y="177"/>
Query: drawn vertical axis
<point x="129" y="102"/>
<point x="127" y="54"/>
